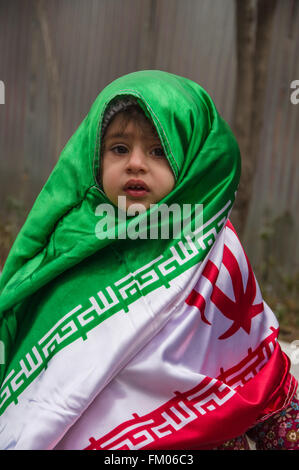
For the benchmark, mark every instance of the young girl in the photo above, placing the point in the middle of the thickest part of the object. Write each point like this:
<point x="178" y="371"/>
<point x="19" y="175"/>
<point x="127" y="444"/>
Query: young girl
<point x="116" y="339"/>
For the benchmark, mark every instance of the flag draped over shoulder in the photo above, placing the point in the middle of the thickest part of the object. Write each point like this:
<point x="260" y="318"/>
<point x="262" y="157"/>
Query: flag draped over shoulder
<point x="147" y="343"/>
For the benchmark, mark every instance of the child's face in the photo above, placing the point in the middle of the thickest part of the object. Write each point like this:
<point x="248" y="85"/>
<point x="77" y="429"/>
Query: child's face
<point x="134" y="165"/>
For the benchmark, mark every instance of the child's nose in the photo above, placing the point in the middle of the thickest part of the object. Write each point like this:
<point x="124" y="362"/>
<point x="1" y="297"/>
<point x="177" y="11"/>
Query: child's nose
<point x="137" y="160"/>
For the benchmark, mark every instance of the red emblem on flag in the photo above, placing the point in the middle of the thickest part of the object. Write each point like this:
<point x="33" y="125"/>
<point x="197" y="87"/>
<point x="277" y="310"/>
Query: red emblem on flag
<point x="241" y="310"/>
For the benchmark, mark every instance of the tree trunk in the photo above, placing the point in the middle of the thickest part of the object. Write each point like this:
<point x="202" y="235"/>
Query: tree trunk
<point x="254" y="20"/>
<point x="53" y="77"/>
<point x="245" y="42"/>
<point x="265" y="16"/>
<point x="148" y="45"/>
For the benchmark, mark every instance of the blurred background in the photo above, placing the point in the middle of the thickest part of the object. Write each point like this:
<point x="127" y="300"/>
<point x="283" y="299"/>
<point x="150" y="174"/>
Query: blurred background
<point x="57" y="55"/>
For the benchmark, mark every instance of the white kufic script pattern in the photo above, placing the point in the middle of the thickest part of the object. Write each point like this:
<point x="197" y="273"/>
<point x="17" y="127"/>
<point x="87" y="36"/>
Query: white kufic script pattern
<point x="169" y="418"/>
<point x="77" y="322"/>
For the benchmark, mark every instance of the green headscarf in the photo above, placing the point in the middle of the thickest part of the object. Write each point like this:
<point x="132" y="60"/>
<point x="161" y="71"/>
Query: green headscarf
<point x="57" y="259"/>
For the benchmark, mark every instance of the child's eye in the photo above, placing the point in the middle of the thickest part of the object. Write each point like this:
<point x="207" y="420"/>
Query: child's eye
<point x="158" y="152"/>
<point x="119" y="149"/>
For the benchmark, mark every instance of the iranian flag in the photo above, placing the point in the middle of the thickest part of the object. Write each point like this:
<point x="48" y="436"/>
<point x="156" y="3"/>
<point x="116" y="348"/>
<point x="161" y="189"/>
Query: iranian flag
<point x="162" y="375"/>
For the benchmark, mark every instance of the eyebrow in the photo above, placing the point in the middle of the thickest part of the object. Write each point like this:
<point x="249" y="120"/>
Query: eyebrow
<point x="118" y="135"/>
<point x="121" y="135"/>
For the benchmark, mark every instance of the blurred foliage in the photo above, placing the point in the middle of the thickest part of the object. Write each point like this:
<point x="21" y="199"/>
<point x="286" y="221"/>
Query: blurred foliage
<point x="11" y="220"/>
<point x="280" y="288"/>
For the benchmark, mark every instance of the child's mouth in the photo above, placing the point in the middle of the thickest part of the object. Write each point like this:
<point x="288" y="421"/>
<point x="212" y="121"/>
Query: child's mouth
<point x="136" y="192"/>
<point x="136" y="188"/>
